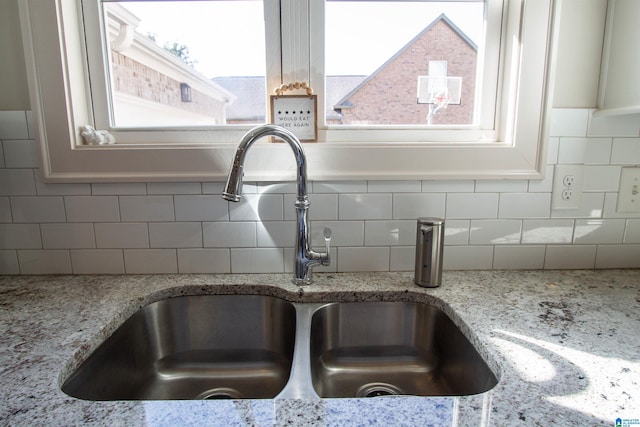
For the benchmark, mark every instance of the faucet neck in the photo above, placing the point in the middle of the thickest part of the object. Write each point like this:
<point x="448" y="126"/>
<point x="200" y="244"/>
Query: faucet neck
<point x="284" y="134"/>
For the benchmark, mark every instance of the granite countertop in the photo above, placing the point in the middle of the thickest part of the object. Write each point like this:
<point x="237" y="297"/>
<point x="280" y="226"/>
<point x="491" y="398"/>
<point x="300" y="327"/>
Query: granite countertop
<point x="565" y="345"/>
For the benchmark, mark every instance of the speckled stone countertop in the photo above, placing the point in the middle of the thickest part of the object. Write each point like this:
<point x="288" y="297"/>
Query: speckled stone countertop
<point x="565" y="345"/>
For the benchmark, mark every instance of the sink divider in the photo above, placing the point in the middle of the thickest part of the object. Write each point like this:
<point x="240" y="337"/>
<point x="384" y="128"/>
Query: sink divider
<point x="300" y="383"/>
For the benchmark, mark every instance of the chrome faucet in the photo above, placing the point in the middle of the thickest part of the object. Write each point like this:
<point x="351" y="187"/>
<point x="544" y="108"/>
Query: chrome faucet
<point x="305" y="257"/>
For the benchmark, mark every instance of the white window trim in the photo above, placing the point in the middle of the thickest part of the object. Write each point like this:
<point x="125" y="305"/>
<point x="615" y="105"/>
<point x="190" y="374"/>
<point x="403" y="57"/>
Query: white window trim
<point x="56" y="69"/>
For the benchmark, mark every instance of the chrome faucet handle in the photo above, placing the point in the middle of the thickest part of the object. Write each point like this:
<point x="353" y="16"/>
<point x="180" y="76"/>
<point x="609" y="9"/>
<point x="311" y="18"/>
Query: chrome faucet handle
<point x="326" y="257"/>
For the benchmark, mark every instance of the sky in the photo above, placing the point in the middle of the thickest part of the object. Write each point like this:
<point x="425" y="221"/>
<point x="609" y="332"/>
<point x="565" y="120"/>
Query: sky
<point x="226" y="38"/>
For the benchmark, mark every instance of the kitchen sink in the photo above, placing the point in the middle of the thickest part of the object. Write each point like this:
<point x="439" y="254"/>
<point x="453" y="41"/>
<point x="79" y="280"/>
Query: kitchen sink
<point x="253" y="347"/>
<point x="369" y="349"/>
<point x="193" y="347"/>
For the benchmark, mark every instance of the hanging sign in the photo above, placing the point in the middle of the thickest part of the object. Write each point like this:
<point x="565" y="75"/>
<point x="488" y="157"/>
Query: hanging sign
<point x="296" y="113"/>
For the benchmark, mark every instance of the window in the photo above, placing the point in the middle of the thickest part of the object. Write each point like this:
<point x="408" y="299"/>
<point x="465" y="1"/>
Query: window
<point x="502" y="136"/>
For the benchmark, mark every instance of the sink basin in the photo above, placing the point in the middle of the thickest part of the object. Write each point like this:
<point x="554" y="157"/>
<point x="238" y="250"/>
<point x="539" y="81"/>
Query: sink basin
<point x="261" y="347"/>
<point x="368" y="349"/>
<point x="193" y="347"/>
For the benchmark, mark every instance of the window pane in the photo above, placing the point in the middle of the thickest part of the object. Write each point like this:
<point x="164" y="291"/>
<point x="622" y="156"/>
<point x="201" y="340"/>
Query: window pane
<point x="402" y="63"/>
<point x="186" y="63"/>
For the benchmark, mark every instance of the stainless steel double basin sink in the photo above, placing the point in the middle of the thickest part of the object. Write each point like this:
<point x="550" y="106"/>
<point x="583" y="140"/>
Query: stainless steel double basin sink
<point x="253" y="346"/>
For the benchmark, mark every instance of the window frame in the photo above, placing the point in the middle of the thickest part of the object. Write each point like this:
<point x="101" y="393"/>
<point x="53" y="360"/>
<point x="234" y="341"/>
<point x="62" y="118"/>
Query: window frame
<point x="60" y="100"/>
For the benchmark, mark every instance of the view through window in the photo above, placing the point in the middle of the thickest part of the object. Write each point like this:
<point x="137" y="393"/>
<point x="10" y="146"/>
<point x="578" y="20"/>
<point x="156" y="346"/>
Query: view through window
<point x="402" y="63"/>
<point x="186" y="63"/>
<point x="195" y="63"/>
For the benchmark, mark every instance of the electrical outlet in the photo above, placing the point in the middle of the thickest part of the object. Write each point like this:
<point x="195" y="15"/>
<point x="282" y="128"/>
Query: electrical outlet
<point x="567" y="187"/>
<point x="629" y="192"/>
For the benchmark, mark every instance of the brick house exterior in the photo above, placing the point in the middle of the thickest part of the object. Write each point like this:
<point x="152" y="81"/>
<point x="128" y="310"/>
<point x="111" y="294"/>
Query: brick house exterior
<point x="389" y="95"/>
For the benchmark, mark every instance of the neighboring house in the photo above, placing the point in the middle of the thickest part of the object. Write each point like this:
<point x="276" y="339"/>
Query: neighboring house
<point x="152" y="87"/>
<point x="389" y="95"/>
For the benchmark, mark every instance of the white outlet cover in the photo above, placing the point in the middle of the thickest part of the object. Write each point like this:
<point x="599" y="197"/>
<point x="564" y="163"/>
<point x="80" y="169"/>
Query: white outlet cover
<point x="560" y="186"/>
<point x="629" y="183"/>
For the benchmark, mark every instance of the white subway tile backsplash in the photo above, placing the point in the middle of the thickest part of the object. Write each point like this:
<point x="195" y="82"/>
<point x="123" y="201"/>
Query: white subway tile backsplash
<point x="97" y="261"/>
<point x="17" y="182"/>
<point x="122" y="235"/>
<point x="456" y="232"/>
<point x="229" y="234"/>
<point x="547" y="231"/>
<point x="467" y="258"/>
<point x="591" y="206"/>
<point x="146" y="208"/>
<point x="570" y="257"/>
<point x="525" y="205"/>
<point x="175" y="235"/>
<point x="44" y="261"/>
<point x="339" y="186"/>
<point x="569" y="122"/>
<point x="9" y="262"/>
<point x="343" y="233"/>
<point x="390" y="233"/>
<point x="146" y="261"/>
<point x="257" y="260"/>
<point x="201" y="208"/>
<point x="625" y="151"/>
<point x="394" y="187"/>
<point x="601" y="178"/>
<point x="626" y="125"/>
<point x="402" y="258"/>
<point x="186" y="227"/>
<point x="68" y="236"/>
<point x="49" y="189"/>
<point x="276" y="187"/>
<point x="472" y="205"/>
<point x="462" y="186"/>
<point x="501" y="186"/>
<point x="520" y="257"/>
<point x="364" y="206"/>
<point x="413" y="206"/>
<point x="276" y="234"/>
<point x="174" y="188"/>
<point x="618" y="256"/>
<point x="21" y="154"/>
<point x="363" y="259"/>
<point x="495" y="232"/>
<point x="5" y="210"/>
<point x="257" y="207"/>
<point x="204" y="261"/>
<point x="632" y="231"/>
<point x="13" y="125"/>
<point x="214" y="188"/>
<point x="37" y="209"/>
<point x="590" y="151"/>
<point x="92" y="208"/>
<point x="20" y="236"/>
<point x="599" y="231"/>
<point x="118" y="188"/>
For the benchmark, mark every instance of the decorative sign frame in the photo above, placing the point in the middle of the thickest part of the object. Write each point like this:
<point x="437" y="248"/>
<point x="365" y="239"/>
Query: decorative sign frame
<point x="297" y="113"/>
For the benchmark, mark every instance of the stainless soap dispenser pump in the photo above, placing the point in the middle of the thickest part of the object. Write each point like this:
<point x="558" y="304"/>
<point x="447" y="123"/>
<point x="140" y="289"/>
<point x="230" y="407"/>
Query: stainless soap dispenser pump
<point x="429" y="246"/>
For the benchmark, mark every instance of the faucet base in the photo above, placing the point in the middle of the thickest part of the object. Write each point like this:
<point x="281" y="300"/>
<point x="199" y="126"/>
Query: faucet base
<point x="301" y="282"/>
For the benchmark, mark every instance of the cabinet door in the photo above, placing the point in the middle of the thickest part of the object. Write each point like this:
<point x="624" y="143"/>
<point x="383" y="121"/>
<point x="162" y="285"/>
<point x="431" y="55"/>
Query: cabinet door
<point x="619" y="91"/>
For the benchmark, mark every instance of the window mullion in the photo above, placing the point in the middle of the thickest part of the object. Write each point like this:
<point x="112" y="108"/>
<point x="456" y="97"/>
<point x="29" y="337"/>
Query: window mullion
<point x="295" y="40"/>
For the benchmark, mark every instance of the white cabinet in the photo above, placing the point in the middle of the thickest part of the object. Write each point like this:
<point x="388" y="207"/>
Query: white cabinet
<point x="619" y="91"/>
